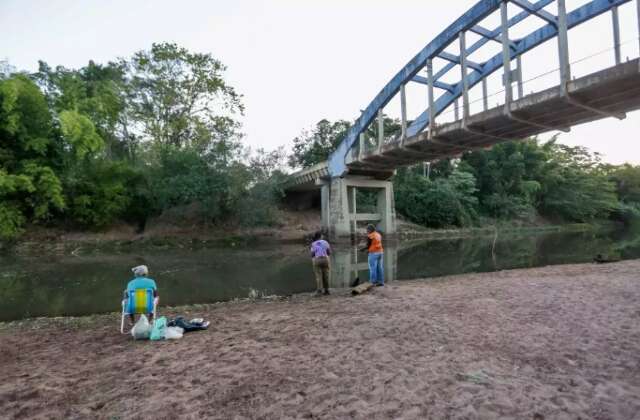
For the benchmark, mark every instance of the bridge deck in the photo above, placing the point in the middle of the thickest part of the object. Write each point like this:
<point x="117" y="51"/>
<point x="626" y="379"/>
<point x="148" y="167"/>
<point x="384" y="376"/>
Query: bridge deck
<point x="614" y="91"/>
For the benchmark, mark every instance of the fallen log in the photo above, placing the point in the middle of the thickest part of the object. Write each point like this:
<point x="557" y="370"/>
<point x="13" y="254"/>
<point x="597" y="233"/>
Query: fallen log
<point x="599" y="259"/>
<point x="361" y="288"/>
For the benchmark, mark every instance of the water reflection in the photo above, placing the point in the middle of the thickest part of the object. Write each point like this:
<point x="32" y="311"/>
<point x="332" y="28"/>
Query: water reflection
<point x="68" y="285"/>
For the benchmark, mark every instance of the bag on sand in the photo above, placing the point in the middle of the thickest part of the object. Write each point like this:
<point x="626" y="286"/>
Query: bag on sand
<point x="142" y="329"/>
<point x="173" y="333"/>
<point x="159" y="329"/>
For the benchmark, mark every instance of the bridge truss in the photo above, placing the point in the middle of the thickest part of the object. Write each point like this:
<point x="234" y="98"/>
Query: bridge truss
<point x="442" y="95"/>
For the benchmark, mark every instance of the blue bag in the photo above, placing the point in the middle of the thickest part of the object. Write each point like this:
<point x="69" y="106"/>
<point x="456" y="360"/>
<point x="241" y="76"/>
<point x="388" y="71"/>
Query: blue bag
<point x="159" y="329"/>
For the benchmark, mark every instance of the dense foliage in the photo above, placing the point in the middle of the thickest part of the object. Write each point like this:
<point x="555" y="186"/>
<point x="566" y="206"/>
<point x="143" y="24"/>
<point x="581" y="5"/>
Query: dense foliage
<point x="127" y="141"/>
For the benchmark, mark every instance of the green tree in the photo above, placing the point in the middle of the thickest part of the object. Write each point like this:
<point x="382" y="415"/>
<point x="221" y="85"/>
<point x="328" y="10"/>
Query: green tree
<point x="29" y="188"/>
<point x="259" y="206"/>
<point x="627" y="180"/>
<point x="101" y="192"/>
<point x="99" y="94"/>
<point x="575" y="186"/>
<point x="180" y="99"/>
<point x="80" y="133"/>
<point x="508" y="177"/>
<point x="313" y="147"/>
<point x="446" y="201"/>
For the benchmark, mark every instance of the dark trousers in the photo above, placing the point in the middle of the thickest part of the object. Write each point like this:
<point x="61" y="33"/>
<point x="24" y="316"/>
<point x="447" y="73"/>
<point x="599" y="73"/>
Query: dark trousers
<point x="322" y="271"/>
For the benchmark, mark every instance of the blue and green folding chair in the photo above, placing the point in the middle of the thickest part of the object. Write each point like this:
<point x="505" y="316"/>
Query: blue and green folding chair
<point x="138" y="302"/>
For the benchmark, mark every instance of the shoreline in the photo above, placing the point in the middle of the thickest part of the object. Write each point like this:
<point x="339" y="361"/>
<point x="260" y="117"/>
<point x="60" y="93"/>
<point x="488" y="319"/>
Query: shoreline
<point x="67" y="321"/>
<point x="553" y="342"/>
<point x="60" y="243"/>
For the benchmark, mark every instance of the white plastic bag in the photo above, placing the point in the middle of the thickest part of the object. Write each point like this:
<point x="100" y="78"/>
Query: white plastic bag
<point x="173" y="333"/>
<point x="142" y="329"/>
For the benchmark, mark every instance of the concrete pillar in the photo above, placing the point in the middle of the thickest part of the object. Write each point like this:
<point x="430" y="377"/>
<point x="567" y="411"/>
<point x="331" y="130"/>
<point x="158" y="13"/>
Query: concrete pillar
<point x="432" y="110"/>
<point x="338" y="208"/>
<point x="616" y="35"/>
<point x="563" y="47"/>
<point x="485" y="96"/>
<point x="380" y="131"/>
<point x="403" y="113"/>
<point x="387" y="209"/>
<point x="463" y="75"/>
<point x="506" y="55"/>
<point x="638" y="22"/>
<point x="324" y="206"/>
<point x="390" y="263"/>
<point x="342" y="273"/>
<point x="352" y="192"/>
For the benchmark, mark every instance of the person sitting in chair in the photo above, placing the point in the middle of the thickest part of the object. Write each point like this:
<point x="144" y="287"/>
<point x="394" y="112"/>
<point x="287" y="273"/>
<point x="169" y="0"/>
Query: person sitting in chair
<point x="141" y="281"/>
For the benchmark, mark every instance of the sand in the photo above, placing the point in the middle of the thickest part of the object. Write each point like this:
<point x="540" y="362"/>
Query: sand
<point x="559" y="342"/>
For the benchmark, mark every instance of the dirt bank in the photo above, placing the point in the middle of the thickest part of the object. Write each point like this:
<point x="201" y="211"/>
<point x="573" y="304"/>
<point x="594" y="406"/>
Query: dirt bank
<point x="293" y="227"/>
<point x="560" y="342"/>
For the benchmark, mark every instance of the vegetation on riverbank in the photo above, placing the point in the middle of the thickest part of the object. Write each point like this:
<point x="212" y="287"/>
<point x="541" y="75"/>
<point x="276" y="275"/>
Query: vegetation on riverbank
<point x="154" y="135"/>
<point x="154" y="139"/>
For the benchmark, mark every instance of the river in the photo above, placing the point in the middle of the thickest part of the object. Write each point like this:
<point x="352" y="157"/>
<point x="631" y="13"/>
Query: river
<point x="55" y="285"/>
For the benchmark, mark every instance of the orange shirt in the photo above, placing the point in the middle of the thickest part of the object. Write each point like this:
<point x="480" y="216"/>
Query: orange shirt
<point x="376" y="242"/>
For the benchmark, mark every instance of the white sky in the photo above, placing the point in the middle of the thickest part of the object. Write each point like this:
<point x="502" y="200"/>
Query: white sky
<point x="297" y="61"/>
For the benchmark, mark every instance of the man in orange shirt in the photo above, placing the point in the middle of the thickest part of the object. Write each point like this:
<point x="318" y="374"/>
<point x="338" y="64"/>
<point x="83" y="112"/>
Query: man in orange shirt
<point x="374" y="248"/>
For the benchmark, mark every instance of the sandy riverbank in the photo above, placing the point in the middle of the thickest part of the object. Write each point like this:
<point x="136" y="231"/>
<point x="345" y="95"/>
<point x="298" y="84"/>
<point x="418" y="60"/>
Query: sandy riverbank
<point x="559" y="342"/>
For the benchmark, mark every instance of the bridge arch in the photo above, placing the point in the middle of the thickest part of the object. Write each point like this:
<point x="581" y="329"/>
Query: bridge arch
<point x="557" y="27"/>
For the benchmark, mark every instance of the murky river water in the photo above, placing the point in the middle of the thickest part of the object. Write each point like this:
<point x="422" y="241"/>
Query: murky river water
<point x="85" y="284"/>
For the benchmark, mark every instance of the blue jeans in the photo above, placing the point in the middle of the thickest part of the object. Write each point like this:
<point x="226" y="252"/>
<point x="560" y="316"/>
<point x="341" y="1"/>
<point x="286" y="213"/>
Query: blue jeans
<point x="376" y="268"/>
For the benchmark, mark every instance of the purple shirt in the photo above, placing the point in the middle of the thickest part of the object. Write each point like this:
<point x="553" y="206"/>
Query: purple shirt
<point x="320" y="248"/>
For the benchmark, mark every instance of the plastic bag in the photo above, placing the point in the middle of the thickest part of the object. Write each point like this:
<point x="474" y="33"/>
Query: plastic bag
<point x="173" y="333"/>
<point x="142" y="329"/>
<point x="159" y="329"/>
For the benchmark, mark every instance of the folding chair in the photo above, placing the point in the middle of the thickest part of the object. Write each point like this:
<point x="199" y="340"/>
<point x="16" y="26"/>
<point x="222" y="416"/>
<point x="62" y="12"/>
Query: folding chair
<point x="139" y="301"/>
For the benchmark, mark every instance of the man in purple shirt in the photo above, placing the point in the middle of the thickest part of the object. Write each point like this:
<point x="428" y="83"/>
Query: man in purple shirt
<point x="320" y="252"/>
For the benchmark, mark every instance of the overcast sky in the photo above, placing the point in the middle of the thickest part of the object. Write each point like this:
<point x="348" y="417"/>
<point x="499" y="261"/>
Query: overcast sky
<point x="296" y="61"/>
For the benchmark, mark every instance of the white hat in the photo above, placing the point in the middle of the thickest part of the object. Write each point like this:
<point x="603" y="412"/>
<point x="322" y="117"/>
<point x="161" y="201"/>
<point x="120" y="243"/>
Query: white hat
<point x="141" y="270"/>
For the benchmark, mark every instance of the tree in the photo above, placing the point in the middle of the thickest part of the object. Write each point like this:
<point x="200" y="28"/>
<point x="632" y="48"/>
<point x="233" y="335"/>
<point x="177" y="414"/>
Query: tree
<point x="259" y="206"/>
<point x="446" y="201"/>
<point x="627" y="180"/>
<point x="508" y="177"/>
<point x="313" y="147"/>
<point x="575" y="186"/>
<point x="180" y="99"/>
<point x="96" y="93"/>
<point x="29" y="188"/>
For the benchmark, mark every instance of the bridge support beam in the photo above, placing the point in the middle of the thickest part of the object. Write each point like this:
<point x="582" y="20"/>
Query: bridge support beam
<point x="339" y="215"/>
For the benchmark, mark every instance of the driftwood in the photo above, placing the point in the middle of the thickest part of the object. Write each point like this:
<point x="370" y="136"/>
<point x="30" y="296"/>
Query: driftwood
<point x="599" y="259"/>
<point x="361" y="288"/>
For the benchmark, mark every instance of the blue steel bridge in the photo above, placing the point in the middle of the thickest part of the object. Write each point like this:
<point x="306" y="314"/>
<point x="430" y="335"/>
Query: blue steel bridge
<point x="361" y="162"/>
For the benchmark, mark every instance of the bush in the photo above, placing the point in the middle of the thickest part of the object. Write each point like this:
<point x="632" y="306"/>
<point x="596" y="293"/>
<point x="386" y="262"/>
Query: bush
<point x="440" y="203"/>
<point x="102" y="192"/>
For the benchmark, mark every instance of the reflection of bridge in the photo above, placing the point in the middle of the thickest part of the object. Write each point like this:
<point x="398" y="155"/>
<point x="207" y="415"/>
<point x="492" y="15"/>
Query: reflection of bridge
<point x="347" y="264"/>
<point x="359" y="164"/>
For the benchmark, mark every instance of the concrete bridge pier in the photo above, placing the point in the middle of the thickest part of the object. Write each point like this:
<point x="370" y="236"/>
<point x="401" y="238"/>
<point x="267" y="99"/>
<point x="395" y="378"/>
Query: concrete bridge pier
<point x="339" y="210"/>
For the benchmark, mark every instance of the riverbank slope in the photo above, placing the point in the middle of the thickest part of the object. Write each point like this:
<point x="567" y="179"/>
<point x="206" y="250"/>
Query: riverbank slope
<point x="554" y="342"/>
<point x="294" y="227"/>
